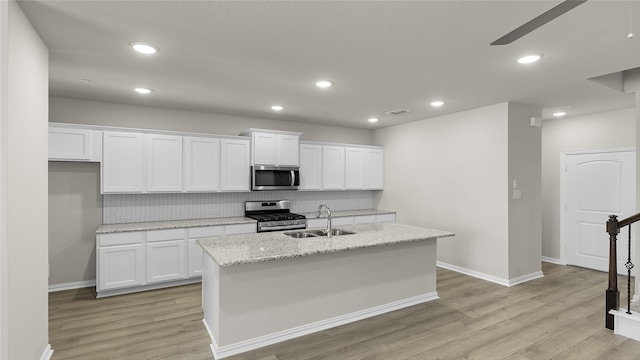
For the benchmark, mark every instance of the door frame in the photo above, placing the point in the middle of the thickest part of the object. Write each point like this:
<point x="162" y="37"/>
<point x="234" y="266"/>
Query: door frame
<point x="563" y="192"/>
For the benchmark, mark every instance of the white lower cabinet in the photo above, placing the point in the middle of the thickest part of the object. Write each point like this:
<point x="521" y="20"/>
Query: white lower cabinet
<point x="120" y="261"/>
<point x="143" y="260"/>
<point x="194" y="250"/>
<point x="166" y="255"/>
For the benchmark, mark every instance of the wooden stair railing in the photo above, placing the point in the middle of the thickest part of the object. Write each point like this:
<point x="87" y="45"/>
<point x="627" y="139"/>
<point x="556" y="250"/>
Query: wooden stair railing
<point x="612" y="293"/>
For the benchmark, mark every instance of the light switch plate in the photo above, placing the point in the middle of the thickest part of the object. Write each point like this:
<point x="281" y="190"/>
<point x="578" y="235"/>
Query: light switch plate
<point x="517" y="194"/>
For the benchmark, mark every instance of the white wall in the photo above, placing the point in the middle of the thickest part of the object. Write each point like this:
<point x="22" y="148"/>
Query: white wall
<point x="75" y="212"/>
<point x="450" y="173"/>
<point x="76" y="111"/>
<point x="455" y="173"/>
<point x="525" y="213"/>
<point x="23" y="165"/>
<point x="607" y="130"/>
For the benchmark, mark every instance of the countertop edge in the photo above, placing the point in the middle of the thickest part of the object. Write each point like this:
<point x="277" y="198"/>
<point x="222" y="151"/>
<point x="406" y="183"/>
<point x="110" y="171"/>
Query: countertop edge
<point x="177" y="224"/>
<point x="219" y="252"/>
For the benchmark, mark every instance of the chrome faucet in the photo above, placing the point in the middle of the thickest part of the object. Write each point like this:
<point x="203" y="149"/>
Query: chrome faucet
<point x="328" y="215"/>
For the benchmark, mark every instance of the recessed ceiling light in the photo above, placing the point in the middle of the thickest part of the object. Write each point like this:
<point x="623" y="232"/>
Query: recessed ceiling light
<point x="528" y="59"/>
<point x="373" y="120"/>
<point x="144" y="48"/>
<point x="559" y="114"/>
<point x="323" y="83"/>
<point x="437" y="103"/>
<point x="277" y="107"/>
<point x="143" y="90"/>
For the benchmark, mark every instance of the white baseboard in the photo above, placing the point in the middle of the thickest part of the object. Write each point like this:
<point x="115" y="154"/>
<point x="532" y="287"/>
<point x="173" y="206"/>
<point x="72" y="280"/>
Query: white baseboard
<point x="552" y="260"/>
<point x="47" y="354"/>
<point x="525" y="278"/>
<point x="135" y="289"/>
<point x="491" y="278"/>
<point x="72" y="285"/>
<point x="220" y="352"/>
<point x="627" y="325"/>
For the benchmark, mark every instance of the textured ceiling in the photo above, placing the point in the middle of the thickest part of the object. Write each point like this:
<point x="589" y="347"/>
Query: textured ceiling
<point x="241" y="57"/>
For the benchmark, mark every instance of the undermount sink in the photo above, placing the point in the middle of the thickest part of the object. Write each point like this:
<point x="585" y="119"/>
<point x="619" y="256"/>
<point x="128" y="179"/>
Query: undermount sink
<point x="317" y="233"/>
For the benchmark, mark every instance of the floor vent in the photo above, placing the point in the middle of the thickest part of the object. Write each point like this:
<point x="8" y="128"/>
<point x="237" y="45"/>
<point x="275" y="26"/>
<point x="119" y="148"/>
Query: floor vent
<point x="397" y="112"/>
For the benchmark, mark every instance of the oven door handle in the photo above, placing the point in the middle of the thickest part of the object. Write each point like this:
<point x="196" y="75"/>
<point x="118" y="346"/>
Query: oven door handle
<point x="293" y="178"/>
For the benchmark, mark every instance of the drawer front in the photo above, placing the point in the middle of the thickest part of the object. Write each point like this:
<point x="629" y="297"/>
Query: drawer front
<point x="386" y="218"/>
<point x="202" y="232"/>
<point x="241" y="229"/>
<point x="161" y="235"/>
<point x="316" y="223"/>
<point x="347" y="220"/>
<point x="135" y="237"/>
<point x="365" y="219"/>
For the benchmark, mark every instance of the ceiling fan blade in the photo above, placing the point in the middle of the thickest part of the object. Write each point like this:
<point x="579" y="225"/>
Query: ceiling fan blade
<point x="540" y="20"/>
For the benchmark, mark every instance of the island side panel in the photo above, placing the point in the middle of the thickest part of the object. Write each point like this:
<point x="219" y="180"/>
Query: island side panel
<point x="265" y="298"/>
<point x="211" y="296"/>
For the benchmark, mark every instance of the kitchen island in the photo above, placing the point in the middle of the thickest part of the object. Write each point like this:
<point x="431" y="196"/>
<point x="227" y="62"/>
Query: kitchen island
<point x="259" y="289"/>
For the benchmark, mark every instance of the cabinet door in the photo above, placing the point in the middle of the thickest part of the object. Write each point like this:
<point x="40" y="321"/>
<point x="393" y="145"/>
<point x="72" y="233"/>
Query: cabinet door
<point x="195" y="259"/>
<point x="264" y="149"/>
<point x="234" y="165"/>
<point x="354" y="168"/>
<point x="374" y="169"/>
<point x="235" y="229"/>
<point x="202" y="164"/>
<point x="164" y="163"/>
<point x="310" y="167"/>
<point x="70" y="144"/>
<point x="333" y="167"/>
<point x="122" y="165"/>
<point x="166" y="260"/>
<point x="194" y="263"/>
<point x="288" y="150"/>
<point x="120" y="266"/>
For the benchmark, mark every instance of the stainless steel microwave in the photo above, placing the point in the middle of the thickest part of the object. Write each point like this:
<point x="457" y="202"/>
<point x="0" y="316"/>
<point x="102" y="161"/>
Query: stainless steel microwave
<point x="275" y="178"/>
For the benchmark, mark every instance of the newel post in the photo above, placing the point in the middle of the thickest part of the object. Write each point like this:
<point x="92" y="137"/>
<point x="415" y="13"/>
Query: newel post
<point x="612" y="295"/>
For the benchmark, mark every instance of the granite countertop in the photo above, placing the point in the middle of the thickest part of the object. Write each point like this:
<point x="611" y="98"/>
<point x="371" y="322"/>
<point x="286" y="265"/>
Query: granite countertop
<point x="250" y="248"/>
<point x="175" y="224"/>
<point x="347" y="213"/>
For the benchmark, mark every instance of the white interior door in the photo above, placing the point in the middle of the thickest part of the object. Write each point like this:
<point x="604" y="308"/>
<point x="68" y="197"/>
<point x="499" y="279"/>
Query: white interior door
<point x="596" y="185"/>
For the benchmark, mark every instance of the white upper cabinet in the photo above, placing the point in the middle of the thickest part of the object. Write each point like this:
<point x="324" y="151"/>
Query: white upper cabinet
<point x="122" y="166"/>
<point x="333" y="167"/>
<point x="235" y="158"/>
<point x="74" y="144"/>
<point x="164" y="163"/>
<point x="310" y="167"/>
<point x="330" y="166"/>
<point x="269" y="147"/>
<point x="202" y="164"/>
<point x="374" y="169"/>
<point x="288" y="150"/>
<point x="354" y="168"/>
<point x="264" y="149"/>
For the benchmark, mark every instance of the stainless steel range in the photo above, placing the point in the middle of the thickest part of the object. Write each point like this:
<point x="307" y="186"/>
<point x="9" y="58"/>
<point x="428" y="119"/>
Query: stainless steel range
<point x="274" y="215"/>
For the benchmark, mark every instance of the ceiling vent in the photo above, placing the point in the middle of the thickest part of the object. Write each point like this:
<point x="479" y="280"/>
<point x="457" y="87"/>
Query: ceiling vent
<point x="397" y="112"/>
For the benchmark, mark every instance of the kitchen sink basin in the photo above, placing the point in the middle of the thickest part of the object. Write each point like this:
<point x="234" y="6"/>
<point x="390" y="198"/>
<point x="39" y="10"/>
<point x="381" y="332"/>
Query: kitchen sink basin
<point x="300" y="234"/>
<point x="317" y="233"/>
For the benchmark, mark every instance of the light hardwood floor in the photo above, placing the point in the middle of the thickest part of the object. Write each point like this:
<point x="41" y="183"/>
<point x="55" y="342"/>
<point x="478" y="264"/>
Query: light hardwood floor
<point x="560" y="316"/>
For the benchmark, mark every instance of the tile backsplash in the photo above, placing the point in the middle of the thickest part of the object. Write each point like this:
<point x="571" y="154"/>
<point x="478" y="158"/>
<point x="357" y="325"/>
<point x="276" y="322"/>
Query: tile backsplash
<point x="132" y="208"/>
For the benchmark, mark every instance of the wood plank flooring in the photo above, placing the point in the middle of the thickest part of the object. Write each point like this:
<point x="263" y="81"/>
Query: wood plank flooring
<point x="560" y="316"/>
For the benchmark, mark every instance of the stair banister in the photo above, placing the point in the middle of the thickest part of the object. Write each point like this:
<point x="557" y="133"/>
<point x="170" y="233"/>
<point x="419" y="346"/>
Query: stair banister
<point x="612" y="293"/>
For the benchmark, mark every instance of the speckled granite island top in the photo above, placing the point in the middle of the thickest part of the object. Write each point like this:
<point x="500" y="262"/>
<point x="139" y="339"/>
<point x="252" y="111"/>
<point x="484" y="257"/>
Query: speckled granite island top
<point x="250" y="248"/>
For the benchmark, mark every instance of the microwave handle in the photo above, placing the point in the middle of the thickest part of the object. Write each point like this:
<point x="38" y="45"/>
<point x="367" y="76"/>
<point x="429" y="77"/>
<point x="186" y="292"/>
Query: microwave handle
<point x="293" y="178"/>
